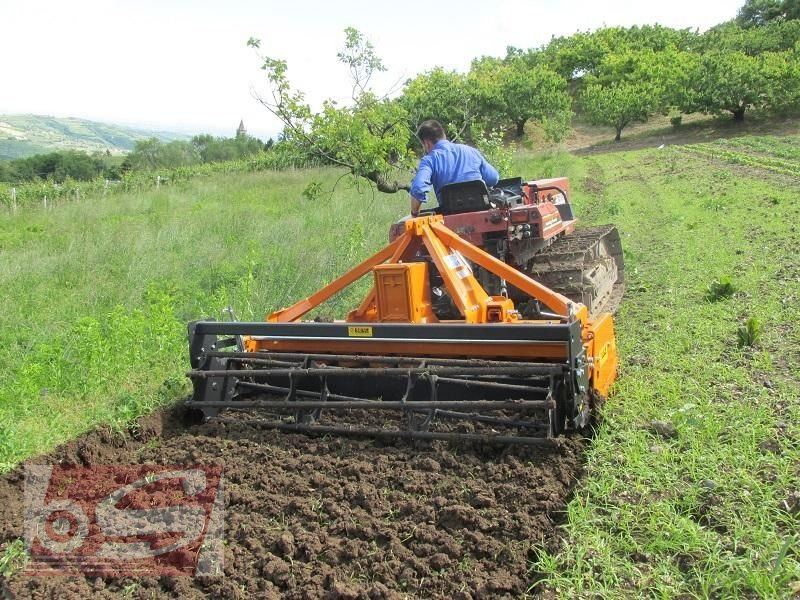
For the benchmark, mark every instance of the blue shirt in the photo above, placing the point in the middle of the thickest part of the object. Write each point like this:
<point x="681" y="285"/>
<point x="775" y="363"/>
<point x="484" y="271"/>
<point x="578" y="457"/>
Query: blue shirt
<point x="450" y="163"/>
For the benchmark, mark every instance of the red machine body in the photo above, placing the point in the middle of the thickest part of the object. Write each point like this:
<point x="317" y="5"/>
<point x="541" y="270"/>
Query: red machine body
<point x="519" y="226"/>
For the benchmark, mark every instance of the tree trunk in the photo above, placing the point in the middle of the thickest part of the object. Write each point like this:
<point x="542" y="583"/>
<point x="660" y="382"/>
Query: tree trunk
<point x="521" y="127"/>
<point x="618" y="137"/>
<point x="738" y="114"/>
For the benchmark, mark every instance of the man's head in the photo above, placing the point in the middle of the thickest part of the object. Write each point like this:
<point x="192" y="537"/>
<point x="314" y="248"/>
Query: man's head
<point x="429" y="133"/>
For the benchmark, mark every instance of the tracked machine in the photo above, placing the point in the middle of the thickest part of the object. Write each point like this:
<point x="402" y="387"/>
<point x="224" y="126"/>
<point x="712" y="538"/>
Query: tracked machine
<point x="487" y="321"/>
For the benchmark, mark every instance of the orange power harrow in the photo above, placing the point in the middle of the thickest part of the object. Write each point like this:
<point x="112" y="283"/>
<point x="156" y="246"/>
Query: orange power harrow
<point x="489" y="375"/>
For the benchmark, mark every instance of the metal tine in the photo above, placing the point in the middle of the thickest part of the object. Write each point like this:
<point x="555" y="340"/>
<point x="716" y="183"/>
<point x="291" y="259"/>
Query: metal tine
<point x="424" y="405"/>
<point x="401" y="434"/>
<point x="451" y="414"/>
<point x="376" y="359"/>
<point x="367" y="371"/>
<point x="334" y="401"/>
<point x="492" y="384"/>
<point x="303" y="393"/>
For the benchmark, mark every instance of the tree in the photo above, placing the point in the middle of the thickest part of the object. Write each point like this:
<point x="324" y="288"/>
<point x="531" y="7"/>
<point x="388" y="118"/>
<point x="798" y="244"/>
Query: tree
<point x="776" y="36"/>
<point x="732" y="81"/>
<point x="369" y="138"/>
<point x="152" y="154"/>
<point x="218" y="149"/>
<point x="54" y="166"/>
<point x="757" y="13"/>
<point x="583" y="54"/>
<point x="515" y="92"/>
<point x="628" y="87"/>
<point x="442" y="95"/>
<point x="618" y="104"/>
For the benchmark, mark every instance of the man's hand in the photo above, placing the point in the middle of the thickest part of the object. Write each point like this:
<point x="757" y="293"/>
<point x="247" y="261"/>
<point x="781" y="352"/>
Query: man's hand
<point x="415" y="206"/>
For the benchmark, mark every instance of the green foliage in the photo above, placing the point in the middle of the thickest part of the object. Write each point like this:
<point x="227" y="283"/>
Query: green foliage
<point x="280" y="156"/>
<point x="369" y="137"/>
<point x="152" y="154"/>
<point x="493" y="148"/>
<point x="720" y="289"/>
<point x="732" y="81"/>
<point x="219" y="149"/>
<point x="13" y="559"/>
<point x="583" y="53"/>
<point x="359" y="56"/>
<point x="512" y="92"/>
<point x="443" y="95"/>
<point x="749" y="334"/>
<point x="757" y="13"/>
<point x="54" y="166"/>
<point x="619" y="104"/>
<point x="773" y="37"/>
<point x="313" y="191"/>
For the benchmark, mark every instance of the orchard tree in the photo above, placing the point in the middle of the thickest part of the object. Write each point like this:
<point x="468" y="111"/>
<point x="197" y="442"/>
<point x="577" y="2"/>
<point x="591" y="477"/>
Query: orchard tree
<point x="756" y="13"/>
<point x="619" y="104"/>
<point x="442" y="95"/>
<point x="628" y="87"/>
<point x="731" y="81"/>
<point x="584" y="53"/>
<point x="369" y="138"/>
<point x="517" y="89"/>
<point x="775" y="36"/>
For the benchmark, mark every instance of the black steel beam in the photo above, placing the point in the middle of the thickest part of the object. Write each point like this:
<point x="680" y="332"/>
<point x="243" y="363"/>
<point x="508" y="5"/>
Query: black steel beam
<point x="464" y="332"/>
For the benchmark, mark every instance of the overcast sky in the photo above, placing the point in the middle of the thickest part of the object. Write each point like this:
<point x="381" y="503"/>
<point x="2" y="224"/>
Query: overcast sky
<point x="183" y="65"/>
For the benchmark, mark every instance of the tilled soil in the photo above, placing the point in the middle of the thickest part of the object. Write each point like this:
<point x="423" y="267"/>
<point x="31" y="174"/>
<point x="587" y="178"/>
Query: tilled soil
<point x="333" y="517"/>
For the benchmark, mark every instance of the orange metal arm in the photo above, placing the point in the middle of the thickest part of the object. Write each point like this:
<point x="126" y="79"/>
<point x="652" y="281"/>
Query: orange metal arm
<point x="466" y="292"/>
<point x="553" y="300"/>
<point x="297" y="310"/>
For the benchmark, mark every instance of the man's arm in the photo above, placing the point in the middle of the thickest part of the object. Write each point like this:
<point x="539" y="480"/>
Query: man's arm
<point x="488" y="173"/>
<point x="420" y="185"/>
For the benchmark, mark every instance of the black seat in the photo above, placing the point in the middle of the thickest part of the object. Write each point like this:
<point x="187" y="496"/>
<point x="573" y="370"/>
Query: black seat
<point x="465" y="196"/>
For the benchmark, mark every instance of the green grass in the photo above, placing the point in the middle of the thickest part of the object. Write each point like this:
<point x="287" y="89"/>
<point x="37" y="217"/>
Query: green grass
<point x="98" y="293"/>
<point x="711" y="513"/>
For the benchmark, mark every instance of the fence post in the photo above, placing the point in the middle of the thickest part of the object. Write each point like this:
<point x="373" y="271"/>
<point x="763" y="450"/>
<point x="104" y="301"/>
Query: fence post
<point x="44" y="202"/>
<point x="77" y="194"/>
<point x="14" y="199"/>
<point x="158" y="181"/>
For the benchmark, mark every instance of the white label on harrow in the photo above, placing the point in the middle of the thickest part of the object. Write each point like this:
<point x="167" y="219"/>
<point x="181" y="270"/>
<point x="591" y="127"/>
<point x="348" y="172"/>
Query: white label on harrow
<point x="459" y="264"/>
<point x="454" y="260"/>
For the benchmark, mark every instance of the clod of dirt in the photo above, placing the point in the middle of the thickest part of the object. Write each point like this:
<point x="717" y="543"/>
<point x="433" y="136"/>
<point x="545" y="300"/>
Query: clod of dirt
<point x="791" y="504"/>
<point x="770" y="446"/>
<point x="664" y="429"/>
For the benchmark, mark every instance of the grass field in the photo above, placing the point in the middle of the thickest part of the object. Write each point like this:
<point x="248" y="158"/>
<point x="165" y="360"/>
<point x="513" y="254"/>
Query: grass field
<point x="711" y="512"/>
<point x="97" y="295"/>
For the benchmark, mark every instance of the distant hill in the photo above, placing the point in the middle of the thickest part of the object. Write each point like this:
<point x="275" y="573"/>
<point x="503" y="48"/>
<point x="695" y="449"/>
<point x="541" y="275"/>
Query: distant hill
<point x="26" y="135"/>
